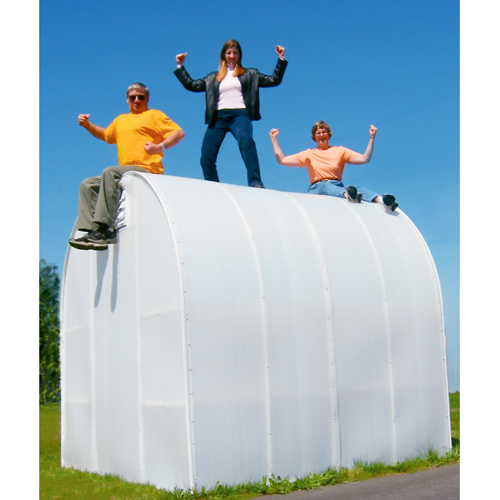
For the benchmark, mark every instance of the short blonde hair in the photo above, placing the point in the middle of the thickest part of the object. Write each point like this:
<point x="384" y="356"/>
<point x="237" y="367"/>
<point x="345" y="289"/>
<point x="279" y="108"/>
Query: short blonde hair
<point x="320" y="124"/>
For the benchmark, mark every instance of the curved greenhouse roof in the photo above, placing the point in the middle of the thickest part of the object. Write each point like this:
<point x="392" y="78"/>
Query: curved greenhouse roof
<point x="234" y="333"/>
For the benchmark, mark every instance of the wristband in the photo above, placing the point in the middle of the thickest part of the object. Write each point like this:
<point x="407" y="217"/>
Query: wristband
<point x="162" y="146"/>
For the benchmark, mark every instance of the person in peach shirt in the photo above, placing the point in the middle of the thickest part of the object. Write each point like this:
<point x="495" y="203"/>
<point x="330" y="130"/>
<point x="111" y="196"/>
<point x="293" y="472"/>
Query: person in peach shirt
<point x="325" y="166"/>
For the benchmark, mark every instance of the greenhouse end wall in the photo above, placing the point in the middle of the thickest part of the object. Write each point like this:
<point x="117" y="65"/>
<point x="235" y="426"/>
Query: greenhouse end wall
<point x="235" y="333"/>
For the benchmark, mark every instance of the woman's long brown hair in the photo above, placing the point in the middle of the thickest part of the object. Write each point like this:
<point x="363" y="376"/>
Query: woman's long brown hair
<point x="239" y="70"/>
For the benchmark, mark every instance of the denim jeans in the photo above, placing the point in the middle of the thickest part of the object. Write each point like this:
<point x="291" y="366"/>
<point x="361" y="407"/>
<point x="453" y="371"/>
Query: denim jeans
<point x="238" y="123"/>
<point x="336" y="188"/>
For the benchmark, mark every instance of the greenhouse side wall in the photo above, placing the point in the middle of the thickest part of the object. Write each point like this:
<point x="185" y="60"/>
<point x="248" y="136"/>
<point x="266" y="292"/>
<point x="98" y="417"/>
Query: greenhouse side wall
<point x="122" y="341"/>
<point x="260" y="332"/>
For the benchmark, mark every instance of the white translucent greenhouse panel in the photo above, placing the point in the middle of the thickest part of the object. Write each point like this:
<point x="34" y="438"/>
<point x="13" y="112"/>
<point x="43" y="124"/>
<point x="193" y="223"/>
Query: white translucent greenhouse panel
<point x="161" y="344"/>
<point x="77" y="434"/>
<point x="303" y="432"/>
<point x="234" y="333"/>
<point x="133" y="360"/>
<point x="416" y="336"/>
<point x="225" y="342"/>
<point x="360" y="339"/>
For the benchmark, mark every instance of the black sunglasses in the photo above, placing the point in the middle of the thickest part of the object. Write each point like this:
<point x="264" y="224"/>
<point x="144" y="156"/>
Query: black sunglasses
<point x="140" y="97"/>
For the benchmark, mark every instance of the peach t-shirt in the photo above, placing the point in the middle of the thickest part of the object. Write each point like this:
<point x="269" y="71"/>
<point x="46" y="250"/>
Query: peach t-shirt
<point x="324" y="164"/>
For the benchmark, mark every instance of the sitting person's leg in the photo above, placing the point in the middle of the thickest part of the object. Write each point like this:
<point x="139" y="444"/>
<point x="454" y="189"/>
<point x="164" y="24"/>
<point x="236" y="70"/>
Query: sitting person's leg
<point x="98" y="206"/>
<point x="368" y="195"/>
<point x="109" y="194"/>
<point x="87" y="200"/>
<point x="387" y="200"/>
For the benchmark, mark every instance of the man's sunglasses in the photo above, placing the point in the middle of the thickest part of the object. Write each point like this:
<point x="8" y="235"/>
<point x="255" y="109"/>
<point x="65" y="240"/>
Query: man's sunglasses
<point x="140" y="97"/>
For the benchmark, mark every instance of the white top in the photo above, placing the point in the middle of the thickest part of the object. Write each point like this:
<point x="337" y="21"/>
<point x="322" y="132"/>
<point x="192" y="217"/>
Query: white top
<point x="230" y="94"/>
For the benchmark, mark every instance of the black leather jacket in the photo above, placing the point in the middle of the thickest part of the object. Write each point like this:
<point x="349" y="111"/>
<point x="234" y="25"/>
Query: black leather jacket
<point x="250" y="81"/>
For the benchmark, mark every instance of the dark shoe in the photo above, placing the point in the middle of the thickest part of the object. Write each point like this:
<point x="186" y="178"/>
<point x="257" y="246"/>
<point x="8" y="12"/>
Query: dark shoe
<point x="95" y="240"/>
<point x="106" y="236"/>
<point x="353" y="195"/>
<point x="390" y="202"/>
<point x="83" y="243"/>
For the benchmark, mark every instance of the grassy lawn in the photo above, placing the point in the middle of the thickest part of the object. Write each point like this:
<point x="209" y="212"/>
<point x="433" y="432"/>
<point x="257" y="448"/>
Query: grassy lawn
<point x="57" y="483"/>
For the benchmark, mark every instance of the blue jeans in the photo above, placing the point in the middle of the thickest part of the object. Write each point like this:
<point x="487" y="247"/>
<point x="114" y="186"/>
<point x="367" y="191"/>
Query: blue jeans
<point x="238" y="123"/>
<point x="336" y="188"/>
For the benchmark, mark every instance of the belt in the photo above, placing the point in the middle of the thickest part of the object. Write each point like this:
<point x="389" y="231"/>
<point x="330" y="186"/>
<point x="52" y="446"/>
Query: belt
<point x="326" y="180"/>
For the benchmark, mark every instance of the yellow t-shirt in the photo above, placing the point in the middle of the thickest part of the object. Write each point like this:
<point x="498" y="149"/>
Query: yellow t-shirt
<point x="131" y="131"/>
<point x="324" y="164"/>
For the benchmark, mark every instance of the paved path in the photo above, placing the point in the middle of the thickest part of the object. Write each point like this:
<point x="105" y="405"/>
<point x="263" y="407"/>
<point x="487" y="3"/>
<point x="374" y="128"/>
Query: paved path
<point x="441" y="483"/>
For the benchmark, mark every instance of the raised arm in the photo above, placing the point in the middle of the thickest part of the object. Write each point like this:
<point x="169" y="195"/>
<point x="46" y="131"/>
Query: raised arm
<point x="288" y="161"/>
<point x="95" y="130"/>
<point x="276" y="78"/>
<point x="358" y="158"/>
<point x="185" y="79"/>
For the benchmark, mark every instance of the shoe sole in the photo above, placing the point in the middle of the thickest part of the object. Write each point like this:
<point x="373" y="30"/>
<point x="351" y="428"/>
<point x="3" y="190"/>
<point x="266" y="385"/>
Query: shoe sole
<point x="88" y="245"/>
<point x="358" y="198"/>
<point x="392" y="207"/>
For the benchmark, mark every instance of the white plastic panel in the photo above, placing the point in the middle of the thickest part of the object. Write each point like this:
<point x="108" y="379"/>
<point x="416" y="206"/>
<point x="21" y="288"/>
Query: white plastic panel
<point x="234" y="333"/>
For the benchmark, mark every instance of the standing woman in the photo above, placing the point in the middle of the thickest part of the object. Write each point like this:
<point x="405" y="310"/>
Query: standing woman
<point x="232" y="100"/>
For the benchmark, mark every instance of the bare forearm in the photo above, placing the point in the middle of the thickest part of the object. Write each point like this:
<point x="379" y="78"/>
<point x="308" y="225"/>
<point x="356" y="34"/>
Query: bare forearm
<point x="358" y="158"/>
<point x="369" y="150"/>
<point x="173" y="139"/>
<point x="96" y="131"/>
<point x="277" y="151"/>
<point x="288" y="161"/>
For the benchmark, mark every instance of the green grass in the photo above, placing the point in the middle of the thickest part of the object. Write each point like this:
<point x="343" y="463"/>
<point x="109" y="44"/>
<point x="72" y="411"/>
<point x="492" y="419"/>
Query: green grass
<point x="57" y="483"/>
<point x="455" y="419"/>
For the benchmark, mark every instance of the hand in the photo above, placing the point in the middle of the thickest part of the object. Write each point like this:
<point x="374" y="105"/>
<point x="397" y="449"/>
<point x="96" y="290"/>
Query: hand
<point x="152" y="148"/>
<point x="180" y="58"/>
<point x="83" y="121"/>
<point x="280" y="51"/>
<point x="373" y="131"/>
<point x="274" y="133"/>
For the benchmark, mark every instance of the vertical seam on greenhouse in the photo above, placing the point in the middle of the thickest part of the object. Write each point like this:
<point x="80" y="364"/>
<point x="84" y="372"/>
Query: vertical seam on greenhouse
<point x="142" y="473"/>
<point x="185" y="332"/>
<point x="387" y="334"/>
<point x="440" y="302"/>
<point x="265" y="333"/>
<point x="336" y="445"/>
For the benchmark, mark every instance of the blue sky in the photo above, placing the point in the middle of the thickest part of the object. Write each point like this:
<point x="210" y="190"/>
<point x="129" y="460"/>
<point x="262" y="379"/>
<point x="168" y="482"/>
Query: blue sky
<point x="394" y="64"/>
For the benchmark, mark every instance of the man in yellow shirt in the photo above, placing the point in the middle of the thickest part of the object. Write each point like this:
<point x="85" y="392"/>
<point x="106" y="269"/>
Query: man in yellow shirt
<point x="140" y="136"/>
